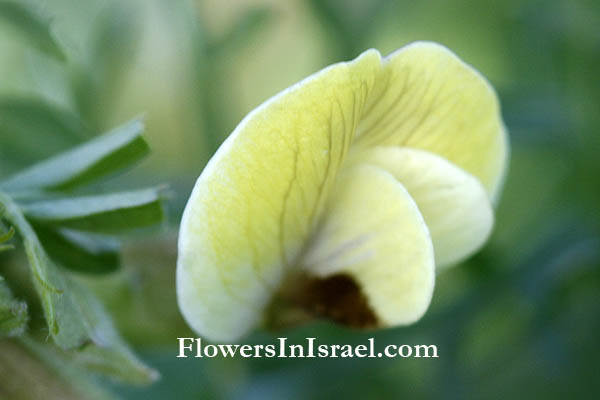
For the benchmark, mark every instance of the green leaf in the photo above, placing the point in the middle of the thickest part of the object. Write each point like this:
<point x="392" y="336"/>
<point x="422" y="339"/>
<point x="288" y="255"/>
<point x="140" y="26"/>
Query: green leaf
<point x="13" y="313"/>
<point x="106" y="353"/>
<point x="61" y="312"/>
<point x="99" y="157"/>
<point x="81" y="252"/>
<point x="75" y="318"/>
<point x="110" y="213"/>
<point x="32" y="129"/>
<point x="32" y="26"/>
<point x="22" y="115"/>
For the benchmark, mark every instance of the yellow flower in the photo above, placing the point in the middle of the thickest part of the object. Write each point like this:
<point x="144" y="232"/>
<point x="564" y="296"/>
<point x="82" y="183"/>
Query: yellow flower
<point x="335" y="194"/>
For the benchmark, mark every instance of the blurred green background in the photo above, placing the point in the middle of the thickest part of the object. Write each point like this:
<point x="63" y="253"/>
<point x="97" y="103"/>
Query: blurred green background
<point x="518" y="319"/>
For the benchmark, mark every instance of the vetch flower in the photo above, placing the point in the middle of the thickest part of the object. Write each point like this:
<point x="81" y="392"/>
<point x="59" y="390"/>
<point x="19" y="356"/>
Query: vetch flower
<point x="342" y="194"/>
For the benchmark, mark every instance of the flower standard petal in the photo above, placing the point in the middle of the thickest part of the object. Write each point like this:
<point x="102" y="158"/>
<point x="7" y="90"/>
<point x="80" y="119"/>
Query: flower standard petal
<point x="454" y="204"/>
<point x="427" y="98"/>
<point x="258" y="199"/>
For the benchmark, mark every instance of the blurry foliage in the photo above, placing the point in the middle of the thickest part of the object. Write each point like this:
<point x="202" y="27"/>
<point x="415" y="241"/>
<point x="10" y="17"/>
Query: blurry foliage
<point x="98" y="75"/>
<point x="32" y="26"/>
<point x="516" y="320"/>
<point x="40" y="204"/>
<point x="63" y="227"/>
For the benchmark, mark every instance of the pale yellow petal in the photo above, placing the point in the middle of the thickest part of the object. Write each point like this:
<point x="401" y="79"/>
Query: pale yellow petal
<point x="374" y="233"/>
<point x="256" y="207"/>
<point x="260" y="196"/>
<point x="427" y="98"/>
<point x="454" y="204"/>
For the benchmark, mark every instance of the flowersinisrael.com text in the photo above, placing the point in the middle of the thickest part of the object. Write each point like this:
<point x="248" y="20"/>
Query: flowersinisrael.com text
<point x="194" y="347"/>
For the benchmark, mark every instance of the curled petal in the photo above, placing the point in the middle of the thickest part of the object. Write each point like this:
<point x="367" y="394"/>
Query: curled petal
<point x="427" y="98"/>
<point x="454" y="204"/>
<point x="374" y="233"/>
